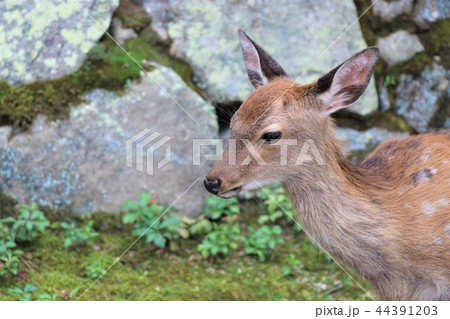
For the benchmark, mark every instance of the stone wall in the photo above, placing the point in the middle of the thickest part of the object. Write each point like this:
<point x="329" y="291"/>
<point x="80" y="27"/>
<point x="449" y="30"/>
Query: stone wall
<point x="76" y="157"/>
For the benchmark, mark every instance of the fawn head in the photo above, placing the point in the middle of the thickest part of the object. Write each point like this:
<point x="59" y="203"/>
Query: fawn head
<point x="282" y="125"/>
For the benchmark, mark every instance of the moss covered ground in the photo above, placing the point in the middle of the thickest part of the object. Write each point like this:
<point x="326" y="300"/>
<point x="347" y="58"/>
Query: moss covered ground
<point x="148" y="273"/>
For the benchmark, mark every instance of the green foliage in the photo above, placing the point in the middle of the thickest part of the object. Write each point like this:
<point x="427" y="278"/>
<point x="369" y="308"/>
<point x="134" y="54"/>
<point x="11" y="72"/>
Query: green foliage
<point x="24" y="294"/>
<point x="262" y="241"/>
<point x="150" y="221"/>
<point x="29" y="224"/>
<point x="389" y="80"/>
<point x="95" y="270"/>
<point x="78" y="236"/>
<point x="48" y="296"/>
<point x="9" y="257"/>
<point x="278" y="205"/>
<point x="28" y="293"/>
<point x="216" y="207"/>
<point x="200" y="227"/>
<point x="291" y="263"/>
<point x="220" y="241"/>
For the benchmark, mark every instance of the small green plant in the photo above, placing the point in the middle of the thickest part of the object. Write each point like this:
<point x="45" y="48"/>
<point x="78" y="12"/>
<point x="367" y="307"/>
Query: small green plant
<point x="28" y="294"/>
<point x="262" y="241"/>
<point x="25" y="294"/>
<point x="199" y="227"/>
<point x="278" y="205"/>
<point x="94" y="270"/>
<point x="220" y="241"/>
<point x="150" y="222"/>
<point x="389" y="80"/>
<point x="29" y="224"/>
<point x="9" y="257"/>
<point x="291" y="262"/>
<point x="48" y="296"/>
<point x="216" y="207"/>
<point x="78" y="236"/>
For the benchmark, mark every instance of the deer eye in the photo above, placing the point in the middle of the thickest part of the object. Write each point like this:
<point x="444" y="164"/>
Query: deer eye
<point x="271" y="137"/>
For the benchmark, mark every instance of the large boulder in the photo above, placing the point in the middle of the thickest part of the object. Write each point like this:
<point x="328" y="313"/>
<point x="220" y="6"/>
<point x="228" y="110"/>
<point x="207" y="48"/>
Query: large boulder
<point x="296" y="33"/>
<point x="41" y="40"/>
<point x="81" y="163"/>
<point x="418" y="99"/>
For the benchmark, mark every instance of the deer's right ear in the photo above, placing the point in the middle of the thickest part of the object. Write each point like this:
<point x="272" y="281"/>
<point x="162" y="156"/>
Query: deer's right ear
<point x="261" y="67"/>
<point x="343" y="85"/>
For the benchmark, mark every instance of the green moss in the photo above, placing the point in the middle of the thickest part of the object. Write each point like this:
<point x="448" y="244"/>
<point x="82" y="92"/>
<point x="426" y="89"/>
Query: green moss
<point x="145" y="273"/>
<point x="436" y="41"/>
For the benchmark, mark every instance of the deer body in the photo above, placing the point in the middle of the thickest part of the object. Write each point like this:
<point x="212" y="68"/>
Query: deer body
<point x="387" y="218"/>
<point x="388" y="223"/>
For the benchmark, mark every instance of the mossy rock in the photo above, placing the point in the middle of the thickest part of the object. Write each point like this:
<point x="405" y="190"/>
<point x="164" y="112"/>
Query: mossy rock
<point x="107" y="66"/>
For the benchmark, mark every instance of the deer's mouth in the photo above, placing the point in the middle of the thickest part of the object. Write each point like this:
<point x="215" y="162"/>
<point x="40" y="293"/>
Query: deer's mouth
<point x="231" y="193"/>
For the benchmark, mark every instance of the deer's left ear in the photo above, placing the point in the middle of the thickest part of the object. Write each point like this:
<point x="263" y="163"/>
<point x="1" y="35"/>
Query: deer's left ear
<point x="261" y="67"/>
<point x="344" y="85"/>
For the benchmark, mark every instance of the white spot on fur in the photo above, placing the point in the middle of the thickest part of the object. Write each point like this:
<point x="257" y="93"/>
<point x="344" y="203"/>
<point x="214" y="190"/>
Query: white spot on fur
<point x="438" y="241"/>
<point x="424" y="174"/>
<point x="447" y="229"/>
<point x="426" y="155"/>
<point x="444" y="202"/>
<point x="428" y="208"/>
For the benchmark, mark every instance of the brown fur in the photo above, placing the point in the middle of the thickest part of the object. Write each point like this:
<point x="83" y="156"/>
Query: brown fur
<point x="387" y="218"/>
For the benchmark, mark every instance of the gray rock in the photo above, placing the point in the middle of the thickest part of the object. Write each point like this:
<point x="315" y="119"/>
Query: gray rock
<point x="388" y="11"/>
<point x="418" y="99"/>
<point x="296" y="33"/>
<point x="399" y="47"/>
<point x="427" y="11"/>
<point x="361" y="143"/>
<point x="384" y="96"/>
<point x="120" y="33"/>
<point x="81" y="162"/>
<point x="41" y="40"/>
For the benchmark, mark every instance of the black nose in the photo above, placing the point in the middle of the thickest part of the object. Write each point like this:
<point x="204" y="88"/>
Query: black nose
<point x="212" y="185"/>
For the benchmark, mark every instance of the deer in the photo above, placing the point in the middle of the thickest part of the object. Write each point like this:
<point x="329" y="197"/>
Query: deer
<point x="387" y="219"/>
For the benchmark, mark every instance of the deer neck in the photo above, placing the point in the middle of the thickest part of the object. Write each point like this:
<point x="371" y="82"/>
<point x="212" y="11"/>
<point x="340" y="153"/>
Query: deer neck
<point x="335" y="209"/>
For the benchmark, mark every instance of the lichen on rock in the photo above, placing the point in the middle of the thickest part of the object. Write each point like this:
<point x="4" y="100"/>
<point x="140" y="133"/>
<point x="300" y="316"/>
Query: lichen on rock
<point x="80" y="162"/>
<point x="296" y="33"/>
<point x="418" y="99"/>
<point x="43" y="40"/>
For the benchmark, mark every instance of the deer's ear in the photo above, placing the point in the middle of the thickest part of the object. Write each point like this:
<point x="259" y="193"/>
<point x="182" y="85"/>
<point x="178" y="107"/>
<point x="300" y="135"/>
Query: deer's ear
<point x="261" y="67"/>
<point x="344" y="85"/>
